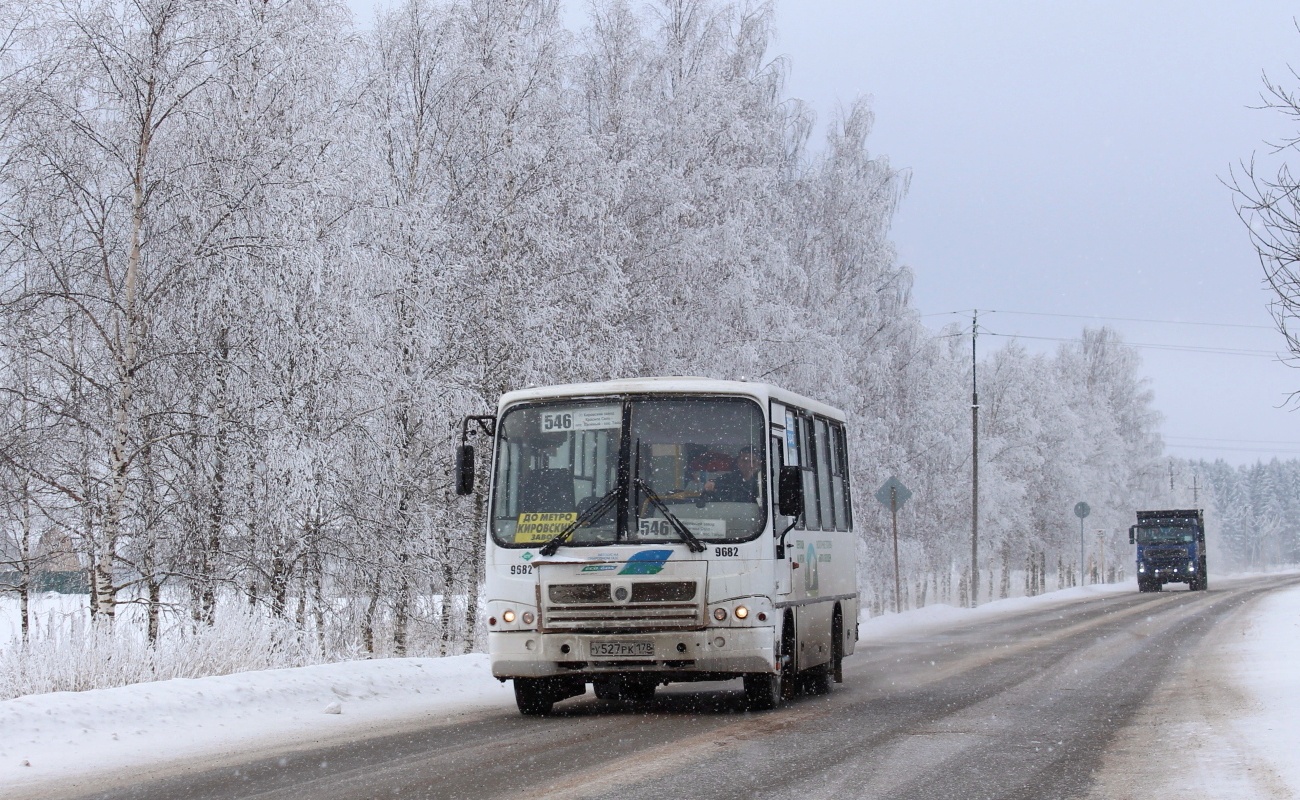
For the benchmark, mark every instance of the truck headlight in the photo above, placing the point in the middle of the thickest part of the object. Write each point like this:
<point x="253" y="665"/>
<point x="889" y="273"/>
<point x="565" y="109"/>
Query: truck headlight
<point x="1190" y="566"/>
<point x="1142" y="567"/>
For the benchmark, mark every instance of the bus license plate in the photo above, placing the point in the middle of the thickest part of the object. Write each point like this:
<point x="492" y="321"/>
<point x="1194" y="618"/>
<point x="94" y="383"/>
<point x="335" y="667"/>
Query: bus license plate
<point x="621" y="649"/>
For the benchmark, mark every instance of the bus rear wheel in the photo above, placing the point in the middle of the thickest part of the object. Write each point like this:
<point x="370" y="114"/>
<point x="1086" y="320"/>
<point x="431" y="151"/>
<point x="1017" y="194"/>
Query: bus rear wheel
<point x="818" y="680"/>
<point x="821" y="678"/>
<point x="837" y="646"/>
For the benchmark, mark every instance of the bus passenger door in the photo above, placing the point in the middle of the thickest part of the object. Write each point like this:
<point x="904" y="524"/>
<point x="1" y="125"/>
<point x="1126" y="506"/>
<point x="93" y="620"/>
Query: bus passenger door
<point x="781" y="567"/>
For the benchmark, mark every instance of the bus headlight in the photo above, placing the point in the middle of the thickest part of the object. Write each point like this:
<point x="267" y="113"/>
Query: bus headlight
<point x="528" y="618"/>
<point x="741" y="612"/>
<point x="719" y="614"/>
<point x="508" y="616"/>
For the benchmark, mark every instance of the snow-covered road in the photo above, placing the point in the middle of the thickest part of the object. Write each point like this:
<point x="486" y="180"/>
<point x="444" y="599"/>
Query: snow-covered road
<point x="1230" y="716"/>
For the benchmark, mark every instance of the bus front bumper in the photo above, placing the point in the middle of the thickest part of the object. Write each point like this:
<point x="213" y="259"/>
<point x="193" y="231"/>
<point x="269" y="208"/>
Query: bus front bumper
<point x="714" y="652"/>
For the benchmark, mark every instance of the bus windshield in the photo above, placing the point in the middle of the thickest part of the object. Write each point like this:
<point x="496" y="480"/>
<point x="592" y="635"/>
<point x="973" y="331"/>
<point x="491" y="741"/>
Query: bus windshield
<point x="701" y="459"/>
<point x="1166" y="534"/>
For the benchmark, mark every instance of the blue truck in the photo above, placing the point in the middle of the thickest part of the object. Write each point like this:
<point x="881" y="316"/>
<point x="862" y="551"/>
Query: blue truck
<point x="1170" y="548"/>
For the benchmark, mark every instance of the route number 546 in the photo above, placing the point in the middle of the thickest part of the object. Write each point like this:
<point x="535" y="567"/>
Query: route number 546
<point x="557" y="421"/>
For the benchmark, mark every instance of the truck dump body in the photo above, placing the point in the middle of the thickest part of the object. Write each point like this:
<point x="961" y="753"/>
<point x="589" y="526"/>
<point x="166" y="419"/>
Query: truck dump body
<point x="1170" y="548"/>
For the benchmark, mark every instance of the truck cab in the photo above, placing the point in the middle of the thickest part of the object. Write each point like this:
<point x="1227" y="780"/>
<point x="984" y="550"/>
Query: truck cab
<point x="1170" y="549"/>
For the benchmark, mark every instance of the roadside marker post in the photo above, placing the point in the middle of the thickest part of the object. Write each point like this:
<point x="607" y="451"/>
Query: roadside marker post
<point x="893" y="494"/>
<point x="1081" y="510"/>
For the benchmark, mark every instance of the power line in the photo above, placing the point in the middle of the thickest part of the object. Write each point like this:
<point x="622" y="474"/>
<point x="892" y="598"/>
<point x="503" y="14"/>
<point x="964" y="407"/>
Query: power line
<point x="1179" y="348"/>
<point x="951" y="313"/>
<point x="1239" y="441"/>
<point x="1109" y="319"/>
<point x="1273" y="450"/>
<point x="1136" y="319"/>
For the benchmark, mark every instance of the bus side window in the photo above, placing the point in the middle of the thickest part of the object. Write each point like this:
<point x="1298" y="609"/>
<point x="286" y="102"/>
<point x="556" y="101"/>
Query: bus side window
<point x="824" y="474"/>
<point x="839" y="478"/>
<point x="808" y="459"/>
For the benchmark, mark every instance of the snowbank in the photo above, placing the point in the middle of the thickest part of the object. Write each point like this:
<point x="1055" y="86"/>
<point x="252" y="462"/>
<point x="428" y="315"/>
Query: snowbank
<point x="64" y="734"/>
<point x="939" y="616"/>
<point x="1266" y="657"/>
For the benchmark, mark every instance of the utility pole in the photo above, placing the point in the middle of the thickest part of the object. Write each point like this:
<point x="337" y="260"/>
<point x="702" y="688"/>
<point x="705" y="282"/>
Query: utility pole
<point x="974" y="467"/>
<point x="1196" y="492"/>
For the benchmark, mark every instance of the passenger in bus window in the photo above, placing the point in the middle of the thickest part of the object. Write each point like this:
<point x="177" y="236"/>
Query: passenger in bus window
<point x="740" y="485"/>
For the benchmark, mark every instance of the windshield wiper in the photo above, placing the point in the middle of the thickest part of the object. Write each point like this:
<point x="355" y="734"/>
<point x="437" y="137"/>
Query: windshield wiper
<point x="692" y="542"/>
<point x="590" y="515"/>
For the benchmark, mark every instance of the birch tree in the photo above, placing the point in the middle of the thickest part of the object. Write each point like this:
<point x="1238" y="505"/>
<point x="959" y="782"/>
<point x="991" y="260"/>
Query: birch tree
<point x="98" y="145"/>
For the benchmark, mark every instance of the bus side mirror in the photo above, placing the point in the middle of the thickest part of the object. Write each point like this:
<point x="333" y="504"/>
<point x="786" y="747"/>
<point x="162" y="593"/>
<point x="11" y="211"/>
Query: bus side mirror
<point x="789" y="495"/>
<point x="1132" y="534"/>
<point x="465" y="469"/>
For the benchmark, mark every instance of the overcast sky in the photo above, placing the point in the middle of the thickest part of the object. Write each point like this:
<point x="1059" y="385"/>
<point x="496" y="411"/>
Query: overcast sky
<point x="1067" y="158"/>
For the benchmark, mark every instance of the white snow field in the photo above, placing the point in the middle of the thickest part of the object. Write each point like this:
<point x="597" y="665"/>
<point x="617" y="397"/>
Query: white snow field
<point x="1267" y="661"/>
<point x="80" y="740"/>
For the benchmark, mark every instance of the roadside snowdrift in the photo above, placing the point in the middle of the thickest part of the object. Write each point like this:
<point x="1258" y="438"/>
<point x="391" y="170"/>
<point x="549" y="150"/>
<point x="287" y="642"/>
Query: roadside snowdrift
<point x="62" y="735"/>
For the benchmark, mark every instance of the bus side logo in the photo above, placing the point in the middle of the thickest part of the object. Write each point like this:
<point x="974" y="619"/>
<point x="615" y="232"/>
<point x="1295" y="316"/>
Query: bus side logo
<point x="646" y="562"/>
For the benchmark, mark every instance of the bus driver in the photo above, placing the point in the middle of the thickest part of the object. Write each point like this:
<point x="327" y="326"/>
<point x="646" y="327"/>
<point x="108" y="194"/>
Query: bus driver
<point x="740" y="485"/>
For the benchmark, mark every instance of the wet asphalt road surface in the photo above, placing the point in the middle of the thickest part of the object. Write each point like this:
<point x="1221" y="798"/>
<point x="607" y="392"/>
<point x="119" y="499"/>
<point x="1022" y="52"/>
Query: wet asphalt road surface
<point x="1023" y="706"/>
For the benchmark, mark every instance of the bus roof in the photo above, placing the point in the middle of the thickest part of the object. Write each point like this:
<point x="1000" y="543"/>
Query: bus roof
<point x="670" y="385"/>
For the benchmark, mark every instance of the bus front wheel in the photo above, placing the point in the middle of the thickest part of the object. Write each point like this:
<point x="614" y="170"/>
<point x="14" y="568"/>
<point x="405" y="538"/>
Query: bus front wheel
<point x="763" y="691"/>
<point x="535" y="697"/>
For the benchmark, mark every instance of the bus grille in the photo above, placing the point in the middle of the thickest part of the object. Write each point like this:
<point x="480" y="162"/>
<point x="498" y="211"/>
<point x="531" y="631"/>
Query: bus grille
<point x="571" y="593"/>
<point x="663" y="592"/>
<point x="652" y="606"/>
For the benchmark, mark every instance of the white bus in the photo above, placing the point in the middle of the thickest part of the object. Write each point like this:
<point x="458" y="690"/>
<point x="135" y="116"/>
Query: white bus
<point x="649" y="531"/>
